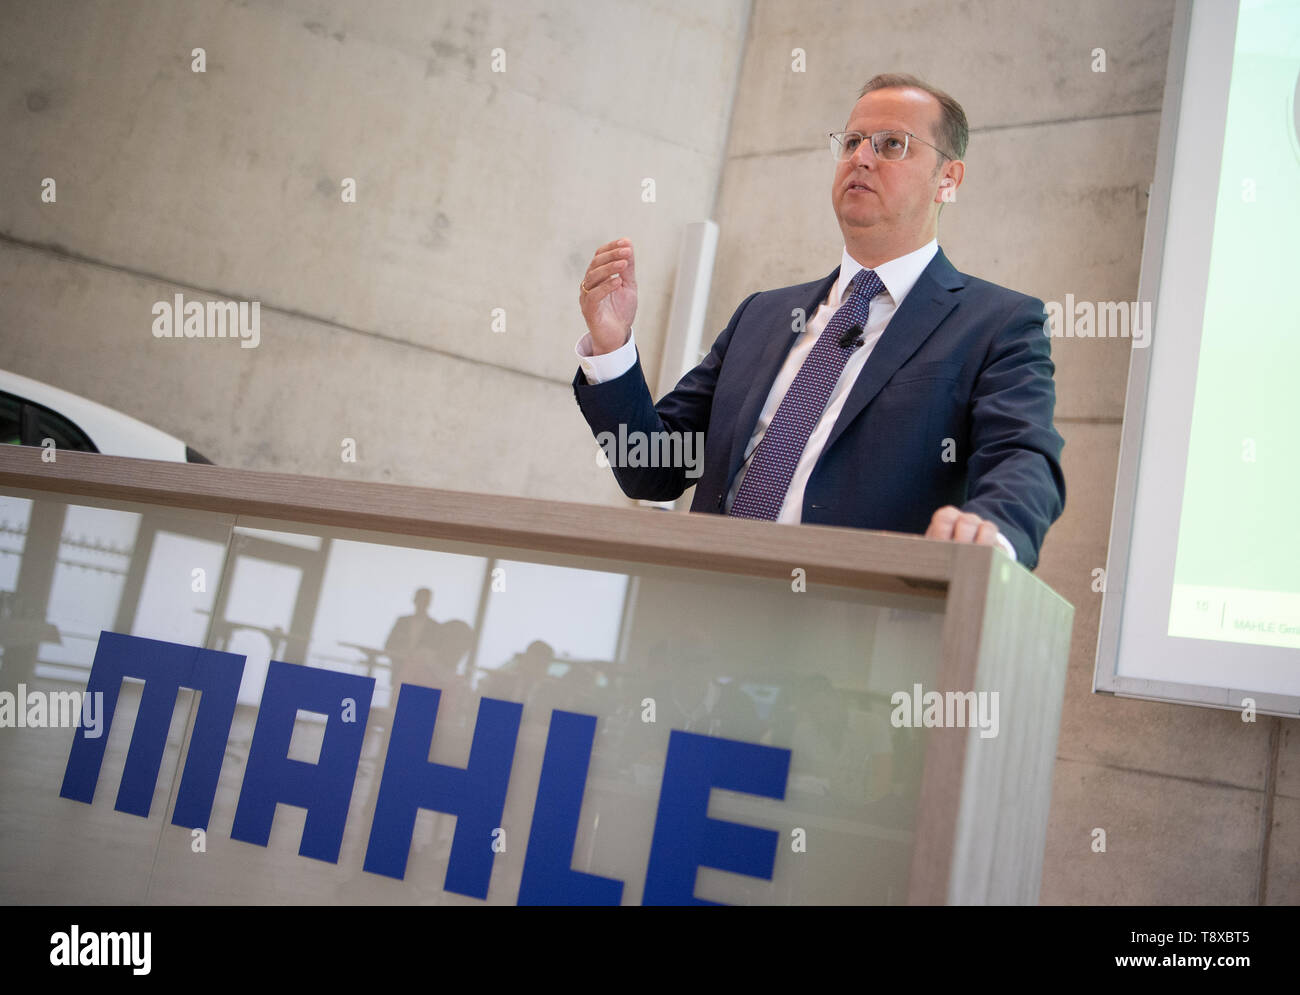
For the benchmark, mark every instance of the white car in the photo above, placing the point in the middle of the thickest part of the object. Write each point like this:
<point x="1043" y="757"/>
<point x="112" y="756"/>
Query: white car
<point x="31" y="411"/>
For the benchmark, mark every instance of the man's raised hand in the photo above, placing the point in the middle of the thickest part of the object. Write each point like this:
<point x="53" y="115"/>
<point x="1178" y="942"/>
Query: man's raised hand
<point x="607" y="296"/>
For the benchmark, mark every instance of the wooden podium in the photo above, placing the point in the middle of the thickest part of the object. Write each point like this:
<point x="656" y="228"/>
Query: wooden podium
<point x="616" y="705"/>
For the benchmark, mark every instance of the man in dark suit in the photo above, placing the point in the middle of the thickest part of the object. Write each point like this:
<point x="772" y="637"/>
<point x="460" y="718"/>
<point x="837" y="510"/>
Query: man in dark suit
<point x="894" y="394"/>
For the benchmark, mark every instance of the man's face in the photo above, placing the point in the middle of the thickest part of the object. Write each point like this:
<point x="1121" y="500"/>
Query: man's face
<point x="875" y="197"/>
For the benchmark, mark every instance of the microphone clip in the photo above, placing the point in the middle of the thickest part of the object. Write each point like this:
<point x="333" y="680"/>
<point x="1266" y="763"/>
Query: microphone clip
<point x="851" y="338"/>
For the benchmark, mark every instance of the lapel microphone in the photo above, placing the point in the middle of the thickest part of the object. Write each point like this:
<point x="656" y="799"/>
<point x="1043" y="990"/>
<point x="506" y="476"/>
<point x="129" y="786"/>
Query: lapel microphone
<point x="852" y="337"/>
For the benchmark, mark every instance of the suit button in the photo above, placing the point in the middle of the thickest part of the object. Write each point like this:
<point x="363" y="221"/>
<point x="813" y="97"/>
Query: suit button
<point x="720" y="497"/>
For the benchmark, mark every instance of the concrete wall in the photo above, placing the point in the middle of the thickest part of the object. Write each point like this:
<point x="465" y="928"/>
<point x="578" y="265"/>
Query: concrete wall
<point x="1197" y="805"/>
<point x="479" y="190"/>
<point x="476" y="190"/>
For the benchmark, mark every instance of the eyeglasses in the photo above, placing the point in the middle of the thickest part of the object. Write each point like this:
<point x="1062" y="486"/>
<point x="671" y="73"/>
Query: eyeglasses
<point x="888" y="145"/>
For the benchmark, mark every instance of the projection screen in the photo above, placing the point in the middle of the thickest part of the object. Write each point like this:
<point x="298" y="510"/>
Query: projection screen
<point x="1202" y="588"/>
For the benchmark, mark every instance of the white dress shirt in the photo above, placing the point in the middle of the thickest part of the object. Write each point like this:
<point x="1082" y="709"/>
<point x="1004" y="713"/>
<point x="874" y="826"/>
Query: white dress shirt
<point x="898" y="275"/>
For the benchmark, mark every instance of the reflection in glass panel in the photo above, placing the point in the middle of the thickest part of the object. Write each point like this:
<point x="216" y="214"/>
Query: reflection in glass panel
<point x="17" y="622"/>
<point x="71" y="569"/>
<point x="178" y="562"/>
<point x="261" y="593"/>
<point x="95" y="549"/>
<point x="383" y="607"/>
<point x="288" y="538"/>
<point x="256" y="618"/>
<point x="644" y="650"/>
<point x="14" y="513"/>
<point x="538" y="610"/>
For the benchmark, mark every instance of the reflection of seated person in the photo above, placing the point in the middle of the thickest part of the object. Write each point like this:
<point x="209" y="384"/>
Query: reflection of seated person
<point x="413" y="641"/>
<point x="515" y="679"/>
<point x="572" y="690"/>
<point x="579" y="690"/>
<point x="677" y="675"/>
<point x="429" y="653"/>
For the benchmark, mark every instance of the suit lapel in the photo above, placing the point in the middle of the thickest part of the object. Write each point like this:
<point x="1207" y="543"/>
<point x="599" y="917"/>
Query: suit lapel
<point x="926" y="304"/>
<point x="778" y="339"/>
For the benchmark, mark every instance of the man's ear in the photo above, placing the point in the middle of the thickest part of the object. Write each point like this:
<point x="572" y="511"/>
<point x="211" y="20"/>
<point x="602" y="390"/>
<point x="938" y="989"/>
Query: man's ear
<point x="952" y="178"/>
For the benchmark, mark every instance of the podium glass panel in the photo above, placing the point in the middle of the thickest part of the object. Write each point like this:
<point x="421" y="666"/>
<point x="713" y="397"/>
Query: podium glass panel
<point x="413" y="717"/>
<point x="70" y="569"/>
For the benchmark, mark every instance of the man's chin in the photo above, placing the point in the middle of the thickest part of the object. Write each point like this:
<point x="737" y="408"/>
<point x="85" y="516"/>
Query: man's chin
<point x="858" y="220"/>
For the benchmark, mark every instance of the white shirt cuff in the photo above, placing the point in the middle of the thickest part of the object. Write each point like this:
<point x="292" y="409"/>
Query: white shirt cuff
<point x="1005" y="543"/>
<point x="609" y="365"/>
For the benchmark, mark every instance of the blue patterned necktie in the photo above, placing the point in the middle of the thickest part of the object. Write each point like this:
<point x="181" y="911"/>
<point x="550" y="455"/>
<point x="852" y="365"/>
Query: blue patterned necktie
<point x="773" y="463"/>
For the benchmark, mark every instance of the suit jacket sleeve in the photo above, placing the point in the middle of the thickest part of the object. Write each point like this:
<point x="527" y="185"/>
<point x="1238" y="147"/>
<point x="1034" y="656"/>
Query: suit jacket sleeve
<point x="626" y="401"/>
<point x="1014" y="472"/>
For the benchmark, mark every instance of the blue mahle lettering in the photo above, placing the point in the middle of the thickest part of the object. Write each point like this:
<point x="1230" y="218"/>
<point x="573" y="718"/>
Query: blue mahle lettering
<point x="323" y="788"/>
<point x="685" y="838"/>
<point x="475" y="794"/>
<point x="548" y="877"/>
<point x="165" y="668"/>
